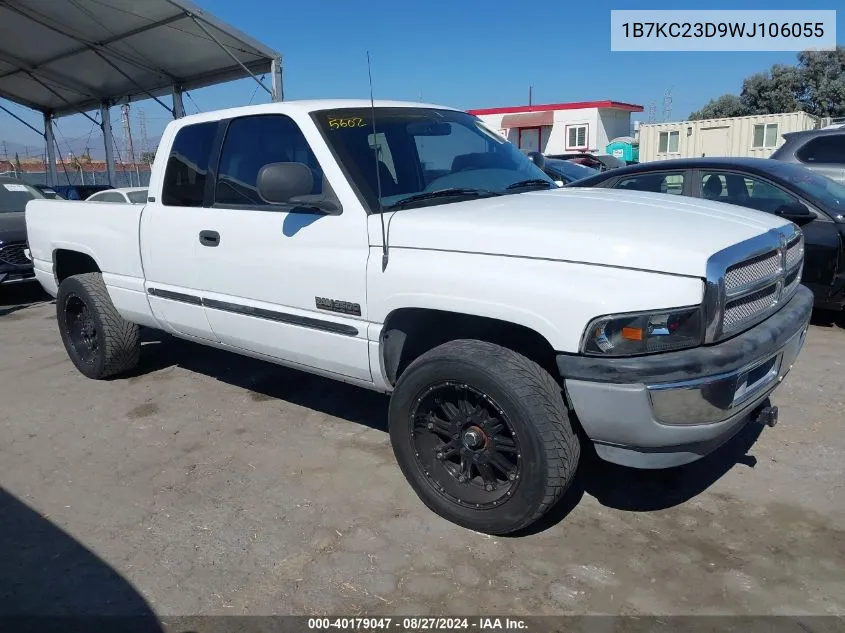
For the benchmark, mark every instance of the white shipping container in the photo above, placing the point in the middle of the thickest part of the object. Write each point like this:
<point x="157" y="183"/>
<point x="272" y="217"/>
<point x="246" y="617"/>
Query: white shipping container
<point x="756" y="136"/>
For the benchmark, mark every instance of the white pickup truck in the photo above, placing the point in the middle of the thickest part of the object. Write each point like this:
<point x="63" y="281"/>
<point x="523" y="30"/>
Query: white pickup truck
<point x="409" y="249"/>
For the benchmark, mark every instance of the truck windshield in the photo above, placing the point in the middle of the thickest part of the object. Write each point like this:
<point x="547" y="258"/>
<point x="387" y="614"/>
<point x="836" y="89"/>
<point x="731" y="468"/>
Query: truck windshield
<point x="15" y="195"/>
<point x="414" y="152"/>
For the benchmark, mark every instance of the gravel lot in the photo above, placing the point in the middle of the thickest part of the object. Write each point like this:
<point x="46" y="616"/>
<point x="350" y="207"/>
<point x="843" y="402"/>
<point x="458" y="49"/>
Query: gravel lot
<point x="212" y="484"/>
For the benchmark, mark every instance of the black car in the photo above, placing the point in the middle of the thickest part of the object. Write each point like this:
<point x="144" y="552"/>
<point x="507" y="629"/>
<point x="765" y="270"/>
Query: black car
<point x="14" y="264"/>
<point x="79" y="192"/>
<point x="565" y="172"/>
<point x="600" y="162"/>
<point x="49" y="192"/>
<point x="815" y="203"/>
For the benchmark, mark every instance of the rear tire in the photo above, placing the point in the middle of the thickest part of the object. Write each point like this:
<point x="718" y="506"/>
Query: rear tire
<point x="99" y="341"/>
<point x="483" y="436"/>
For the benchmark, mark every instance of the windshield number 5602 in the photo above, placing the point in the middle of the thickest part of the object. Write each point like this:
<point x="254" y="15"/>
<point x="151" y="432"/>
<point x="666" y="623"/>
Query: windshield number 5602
<point x="335" y="124"/>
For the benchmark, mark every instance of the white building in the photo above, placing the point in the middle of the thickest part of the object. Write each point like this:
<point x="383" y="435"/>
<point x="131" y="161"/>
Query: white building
<point x="557" y="128"/>
<point x="756" y="136"/>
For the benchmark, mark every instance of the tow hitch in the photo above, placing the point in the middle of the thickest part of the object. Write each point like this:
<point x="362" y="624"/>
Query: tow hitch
<point x="768" y="416"/>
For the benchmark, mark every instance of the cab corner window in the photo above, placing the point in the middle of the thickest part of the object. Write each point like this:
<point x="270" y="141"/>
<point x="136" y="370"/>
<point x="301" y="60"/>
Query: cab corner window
<point x="187" y="165"/>
<point x="253" y="142"/>
<point x="672" y="183"/>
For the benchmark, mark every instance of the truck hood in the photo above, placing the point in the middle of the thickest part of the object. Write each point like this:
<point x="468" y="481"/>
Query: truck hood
<point x="646" y="231"/>
<point x="12" y="227"/>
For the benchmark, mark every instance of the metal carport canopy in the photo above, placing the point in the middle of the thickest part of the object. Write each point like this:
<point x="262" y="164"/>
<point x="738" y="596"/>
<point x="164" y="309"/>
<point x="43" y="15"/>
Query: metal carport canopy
<point x="68" y="56"/>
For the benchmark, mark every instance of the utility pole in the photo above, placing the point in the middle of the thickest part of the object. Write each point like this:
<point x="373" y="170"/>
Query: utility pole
<point x="5" y="152"/>
<point x="667" y="104"/>
<point x="127" y="133"/>
<point x="142" y="129"/>
<point x="530" y="96"/>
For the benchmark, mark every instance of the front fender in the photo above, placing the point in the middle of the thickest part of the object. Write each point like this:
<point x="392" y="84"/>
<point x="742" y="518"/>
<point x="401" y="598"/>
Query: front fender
<point x="555" y="299"/>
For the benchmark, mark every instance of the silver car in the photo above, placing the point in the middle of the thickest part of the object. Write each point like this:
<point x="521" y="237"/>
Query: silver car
<point x="823" y="151"/>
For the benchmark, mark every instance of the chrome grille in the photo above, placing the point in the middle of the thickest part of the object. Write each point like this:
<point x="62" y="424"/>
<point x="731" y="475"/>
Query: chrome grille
<point x="749" y="281"/>
<point x="792" y="280"/>
<point x="13" y="254"/>
<point x="752" y="271"/>
<point x="795" y="252"/>
<point x="745" y="308"/>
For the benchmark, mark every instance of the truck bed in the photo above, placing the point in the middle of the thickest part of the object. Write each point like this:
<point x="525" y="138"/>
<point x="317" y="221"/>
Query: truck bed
<point x="110" y="230"/>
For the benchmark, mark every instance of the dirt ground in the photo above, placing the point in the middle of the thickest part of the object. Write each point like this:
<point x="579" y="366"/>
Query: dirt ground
<point x="207" y="483"/>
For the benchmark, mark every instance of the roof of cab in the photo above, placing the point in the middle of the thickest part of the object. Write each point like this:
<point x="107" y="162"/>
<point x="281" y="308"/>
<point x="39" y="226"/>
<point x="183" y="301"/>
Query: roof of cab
<point x="299" y="107"/>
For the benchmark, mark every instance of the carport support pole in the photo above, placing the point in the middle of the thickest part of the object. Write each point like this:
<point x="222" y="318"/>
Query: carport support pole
<point x="108" y="141"/>
<point x="52" y="174"/>
<point x="276" y="74"/>
<point x="178" y="105"/>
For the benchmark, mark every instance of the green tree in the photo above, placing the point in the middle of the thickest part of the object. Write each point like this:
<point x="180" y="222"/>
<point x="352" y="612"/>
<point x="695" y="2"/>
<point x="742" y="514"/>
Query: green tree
<point x="816" y="85"/>
<point x="725" y="106"/>
<point x="148" y="157"/>
<point x="773" y="91"/>
<point x="823" y="82"/>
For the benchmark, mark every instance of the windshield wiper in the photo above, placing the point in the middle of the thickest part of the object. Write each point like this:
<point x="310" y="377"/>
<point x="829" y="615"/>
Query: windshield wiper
<point x="531" y="182"/>
<point x="454" y="192"/>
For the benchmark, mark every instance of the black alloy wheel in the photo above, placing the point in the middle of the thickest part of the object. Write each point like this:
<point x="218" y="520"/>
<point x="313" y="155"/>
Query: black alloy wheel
<point x="81" y="329"/>
<point x="98" y="340"/>
<point x="483" y="435"/>
<point x="465" y="445"/>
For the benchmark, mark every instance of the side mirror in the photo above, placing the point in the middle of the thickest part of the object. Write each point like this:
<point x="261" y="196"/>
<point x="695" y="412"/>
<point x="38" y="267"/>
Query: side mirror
<point x="796" y="212"/>
<point x="537" y="158"/>
<point x="291" y="183"/>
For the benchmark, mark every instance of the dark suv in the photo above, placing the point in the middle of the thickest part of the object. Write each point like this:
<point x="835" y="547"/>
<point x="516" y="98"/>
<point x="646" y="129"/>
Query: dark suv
<point x="14" y="264"/>
<point x="823" y="151"/>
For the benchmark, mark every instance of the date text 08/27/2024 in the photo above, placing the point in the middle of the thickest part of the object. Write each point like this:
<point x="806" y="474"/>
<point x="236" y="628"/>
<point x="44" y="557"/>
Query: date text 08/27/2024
<point x="416" y="624"/>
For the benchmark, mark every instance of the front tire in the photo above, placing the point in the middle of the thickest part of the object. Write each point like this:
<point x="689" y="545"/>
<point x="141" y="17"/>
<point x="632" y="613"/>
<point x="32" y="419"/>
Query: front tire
<point x="483" y="436"/>
<point x="99" y="341"/>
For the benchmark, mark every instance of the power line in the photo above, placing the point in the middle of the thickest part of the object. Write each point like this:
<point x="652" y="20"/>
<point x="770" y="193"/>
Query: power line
<point x="61" y="160"/>
<point x="188" y="94"/>
<point x="256" y="90"/>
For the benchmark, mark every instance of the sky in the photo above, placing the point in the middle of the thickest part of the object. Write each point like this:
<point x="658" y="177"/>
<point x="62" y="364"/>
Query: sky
<point x="461" y="53"/>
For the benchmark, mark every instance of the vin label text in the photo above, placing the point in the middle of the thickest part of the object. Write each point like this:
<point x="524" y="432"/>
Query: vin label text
<point x="681" y="30"/>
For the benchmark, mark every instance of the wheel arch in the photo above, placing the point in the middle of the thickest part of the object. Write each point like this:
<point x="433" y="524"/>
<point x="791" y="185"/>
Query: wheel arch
<point x="72" y="261"/>
<point x="409" y="332"/>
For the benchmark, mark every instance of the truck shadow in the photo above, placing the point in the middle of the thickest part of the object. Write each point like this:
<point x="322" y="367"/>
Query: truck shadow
<point x="16" y="297"/>
<point x="50" y="581"/>
<point x="613" y="486"/>
<point x="828" y="318"/>
<point x="633" y="490"/>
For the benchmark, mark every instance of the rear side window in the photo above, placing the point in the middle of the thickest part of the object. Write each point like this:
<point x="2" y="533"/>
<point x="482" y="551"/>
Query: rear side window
<point x="656" y="183"/>
<point x="187" y="165"/>
<point x="824" y="149"/>
<point x="255" y="141"/>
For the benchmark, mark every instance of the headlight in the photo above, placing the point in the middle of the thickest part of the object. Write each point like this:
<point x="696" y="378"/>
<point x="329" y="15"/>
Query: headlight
<point x="643" y="333"/>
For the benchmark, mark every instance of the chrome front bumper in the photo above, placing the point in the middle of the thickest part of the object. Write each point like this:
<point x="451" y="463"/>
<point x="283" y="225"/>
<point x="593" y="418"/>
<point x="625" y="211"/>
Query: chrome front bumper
<point x="669" y="409"/>
<point x="716" y="398"/>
